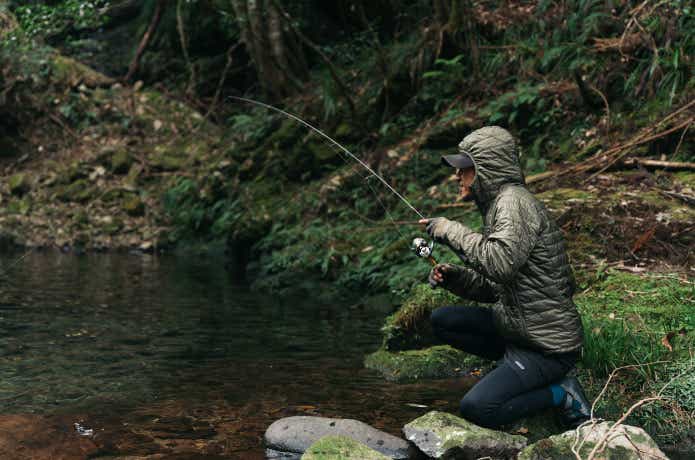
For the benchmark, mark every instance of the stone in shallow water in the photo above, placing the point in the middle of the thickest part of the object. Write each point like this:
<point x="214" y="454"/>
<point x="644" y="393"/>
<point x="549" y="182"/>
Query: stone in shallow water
<point x="626" y="442"/>
<point x="294" y="435"/>
<point x="341" y="447"/>
<point x="442" y="435"/>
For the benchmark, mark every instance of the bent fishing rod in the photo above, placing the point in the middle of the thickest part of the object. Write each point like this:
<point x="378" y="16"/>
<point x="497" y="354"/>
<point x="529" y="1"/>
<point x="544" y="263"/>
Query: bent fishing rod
<point x="419" y="245"/>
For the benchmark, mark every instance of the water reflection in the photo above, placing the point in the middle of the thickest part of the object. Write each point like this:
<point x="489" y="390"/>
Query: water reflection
<point x="130" y="339"/>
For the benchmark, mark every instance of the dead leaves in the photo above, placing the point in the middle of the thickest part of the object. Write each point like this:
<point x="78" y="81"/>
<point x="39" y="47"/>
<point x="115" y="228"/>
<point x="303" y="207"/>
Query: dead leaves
<point x="643" y="239"/>
<point x="666" y="340"/>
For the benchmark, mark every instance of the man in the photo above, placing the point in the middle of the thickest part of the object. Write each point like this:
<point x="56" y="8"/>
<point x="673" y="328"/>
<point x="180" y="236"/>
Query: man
<point x="519" y="262"/>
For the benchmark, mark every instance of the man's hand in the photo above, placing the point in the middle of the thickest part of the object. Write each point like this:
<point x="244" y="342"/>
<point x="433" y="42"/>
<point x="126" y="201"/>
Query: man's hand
<point x="438" y="275"/>
<point x="436" y="227"/>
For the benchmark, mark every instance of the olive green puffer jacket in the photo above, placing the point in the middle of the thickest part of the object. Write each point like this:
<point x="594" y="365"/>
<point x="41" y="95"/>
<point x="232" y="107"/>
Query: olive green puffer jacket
<point x="519" y="260"/>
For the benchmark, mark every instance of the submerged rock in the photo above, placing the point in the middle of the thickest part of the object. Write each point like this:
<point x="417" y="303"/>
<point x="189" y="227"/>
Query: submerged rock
<point x="625" y="442"/>
<point x="442" y="435"/>
<point x="294" y="435"/>
<point x="341" y="447"/>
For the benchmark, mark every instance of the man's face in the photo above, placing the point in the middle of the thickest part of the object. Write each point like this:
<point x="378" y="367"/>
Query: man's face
<point x="465" y="177"/>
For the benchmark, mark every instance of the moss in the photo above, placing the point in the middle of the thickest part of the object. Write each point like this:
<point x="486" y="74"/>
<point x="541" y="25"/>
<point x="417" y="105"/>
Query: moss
<point x="19" y="184"/>
<point x="112" y="226"/>
<point x="409" y="327"/>
<point x="121" y="162"/>
<point x="71" y="173"/>
<point x="436" y="362"/>
<point x="134" y="206"/>
<point x="168" y="158"/>
<point x="340" y="447"/>
<point x="685" y="178"/>
<point x="559" y="198"/>
<point x="447" y="435"/>
<point x="69" y="72"/>
<point x="79" y="191"/>
<point x="114" y="194"/>
<point x="630" y="443"/>
<point x="19" y="206"/>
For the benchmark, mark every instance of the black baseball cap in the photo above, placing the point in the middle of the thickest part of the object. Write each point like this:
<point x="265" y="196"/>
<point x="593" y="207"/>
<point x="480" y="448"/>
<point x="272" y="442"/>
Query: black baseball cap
<point x="458" y="160"/>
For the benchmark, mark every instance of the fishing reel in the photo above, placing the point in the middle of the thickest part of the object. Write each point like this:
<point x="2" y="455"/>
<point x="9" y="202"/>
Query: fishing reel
<point x="424" y="249"/>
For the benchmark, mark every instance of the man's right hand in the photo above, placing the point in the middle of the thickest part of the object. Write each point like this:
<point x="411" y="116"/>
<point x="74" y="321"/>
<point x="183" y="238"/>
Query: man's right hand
<point x="438" y="275"/>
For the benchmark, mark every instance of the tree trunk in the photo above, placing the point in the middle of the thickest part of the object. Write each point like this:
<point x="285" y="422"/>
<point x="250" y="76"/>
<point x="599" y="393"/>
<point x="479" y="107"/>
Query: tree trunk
<point x="145" y="41"/>
<point x="273" y="47"/>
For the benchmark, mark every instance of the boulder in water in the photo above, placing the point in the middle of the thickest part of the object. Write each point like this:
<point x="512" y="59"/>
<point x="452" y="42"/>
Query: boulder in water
<point x="442" y="435"/>
<point x="341" y="447"/>
<point x="625" y="442"/>
<point x="294" y="435"/>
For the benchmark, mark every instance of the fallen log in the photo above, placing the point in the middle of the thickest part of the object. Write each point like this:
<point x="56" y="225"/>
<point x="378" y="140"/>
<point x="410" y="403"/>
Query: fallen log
<point x="659" y="164"/>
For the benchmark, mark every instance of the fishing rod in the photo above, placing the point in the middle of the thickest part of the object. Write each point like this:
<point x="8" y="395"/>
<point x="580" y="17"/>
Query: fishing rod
<point x="419" y="245"/>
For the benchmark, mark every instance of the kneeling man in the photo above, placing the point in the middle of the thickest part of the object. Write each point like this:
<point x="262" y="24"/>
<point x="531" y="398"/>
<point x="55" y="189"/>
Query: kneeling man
<point x="519" y="263"/>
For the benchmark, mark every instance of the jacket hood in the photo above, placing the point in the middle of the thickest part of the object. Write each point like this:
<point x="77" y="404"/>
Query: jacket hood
<point x="496" y="160"/>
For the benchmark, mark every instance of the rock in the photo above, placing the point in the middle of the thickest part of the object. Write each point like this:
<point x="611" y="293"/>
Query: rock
<point x="134" y="206"/>
<point x="19" y="184"/>
<point x="297" y="434"/>
<point x="626" y="443"/>
<point x="409" y="327"/>
<point x="341" y="447"/>
<point x="438" y="362"/>
<point x="442" y="435"/>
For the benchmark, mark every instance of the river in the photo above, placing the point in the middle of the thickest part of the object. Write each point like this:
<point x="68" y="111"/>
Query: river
<point x="168" y="355"/>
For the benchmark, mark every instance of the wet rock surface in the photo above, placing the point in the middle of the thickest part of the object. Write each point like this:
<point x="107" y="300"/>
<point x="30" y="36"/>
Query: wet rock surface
<point x="442" y="435"/>
<point x="294" y="435"/>
<point x="624" y="442"/>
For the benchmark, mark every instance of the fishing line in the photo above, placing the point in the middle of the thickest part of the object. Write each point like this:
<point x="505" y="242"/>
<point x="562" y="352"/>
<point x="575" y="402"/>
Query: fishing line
<point x="318" y="131"/>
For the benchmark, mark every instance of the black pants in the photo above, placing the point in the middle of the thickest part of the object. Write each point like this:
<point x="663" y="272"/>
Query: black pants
<point x="518" y="386"/>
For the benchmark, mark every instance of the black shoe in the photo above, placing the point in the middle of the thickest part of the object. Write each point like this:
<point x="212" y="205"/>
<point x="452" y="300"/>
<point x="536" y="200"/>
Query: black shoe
<point x="576" y="408"/>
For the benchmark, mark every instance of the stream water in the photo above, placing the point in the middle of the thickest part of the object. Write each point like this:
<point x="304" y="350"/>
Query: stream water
<point x="167" y="355"/>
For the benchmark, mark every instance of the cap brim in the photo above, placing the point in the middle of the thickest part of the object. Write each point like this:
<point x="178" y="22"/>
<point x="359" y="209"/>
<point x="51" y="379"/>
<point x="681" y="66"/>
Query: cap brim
<point x="460" y="160"/>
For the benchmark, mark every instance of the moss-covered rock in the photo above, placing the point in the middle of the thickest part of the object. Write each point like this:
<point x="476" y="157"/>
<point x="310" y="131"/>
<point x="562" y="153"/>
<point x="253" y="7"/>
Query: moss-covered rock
<point x="443" y="435"/>
<point x="19" y="184"/>
<point x="341" y="447"/>
<point x="436" y="362"/>
<point x="623" y="443"/>
<point x="134" y="206"/>
<point x="409" y="327"/>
